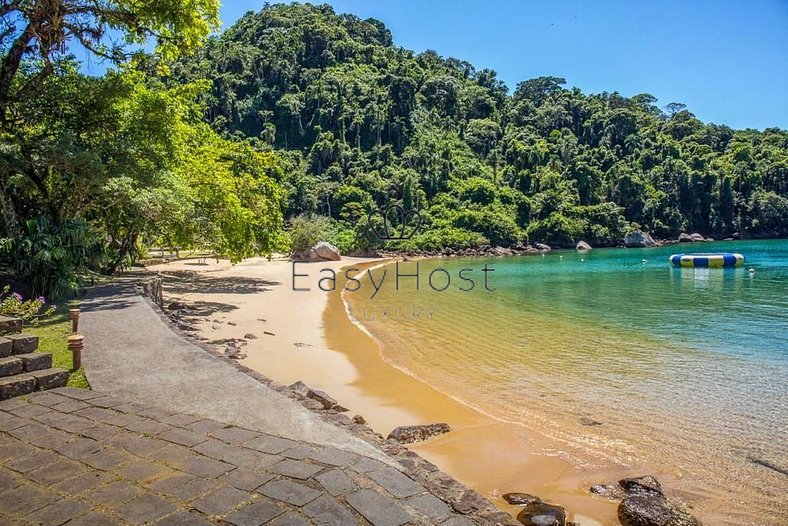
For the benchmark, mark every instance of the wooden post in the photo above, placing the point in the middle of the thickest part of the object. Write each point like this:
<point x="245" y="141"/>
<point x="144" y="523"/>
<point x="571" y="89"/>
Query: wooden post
<point x="76" y="342"/>
<point x="74" y="315"/>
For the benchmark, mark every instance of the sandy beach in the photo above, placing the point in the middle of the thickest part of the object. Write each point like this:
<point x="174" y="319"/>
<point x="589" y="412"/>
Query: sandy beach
<point x="291" y="335"/>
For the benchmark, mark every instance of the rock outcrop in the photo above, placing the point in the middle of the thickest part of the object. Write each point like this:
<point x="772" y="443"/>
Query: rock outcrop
<point x="327" y="251"/>
<point x="322" y="251"/>
<point x="582" y="245"/>
<point x="637" y="238"/>
<point x="409" y="434"/>
<point x="685" y="238"/>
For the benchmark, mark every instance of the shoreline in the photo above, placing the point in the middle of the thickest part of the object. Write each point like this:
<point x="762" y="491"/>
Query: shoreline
<point x="341" y="357"/>
<point x="363" y="381"/>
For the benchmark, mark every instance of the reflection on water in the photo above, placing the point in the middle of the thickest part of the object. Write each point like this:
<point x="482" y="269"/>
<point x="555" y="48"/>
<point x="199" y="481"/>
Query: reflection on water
<point x="685" y="367"/>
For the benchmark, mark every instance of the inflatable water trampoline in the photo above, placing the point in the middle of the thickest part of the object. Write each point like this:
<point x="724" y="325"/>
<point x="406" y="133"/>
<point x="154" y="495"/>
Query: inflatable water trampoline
<point x="721" y="260"/>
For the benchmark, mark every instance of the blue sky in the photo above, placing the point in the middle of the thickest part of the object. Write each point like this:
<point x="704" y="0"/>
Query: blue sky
<point x="727" y="60"/>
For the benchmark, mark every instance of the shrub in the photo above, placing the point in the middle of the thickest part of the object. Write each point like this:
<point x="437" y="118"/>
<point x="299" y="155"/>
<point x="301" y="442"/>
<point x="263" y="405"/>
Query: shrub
<point x="49" y="258"/>
<point x="306" y="231"/>
<point x="15" y="306"/>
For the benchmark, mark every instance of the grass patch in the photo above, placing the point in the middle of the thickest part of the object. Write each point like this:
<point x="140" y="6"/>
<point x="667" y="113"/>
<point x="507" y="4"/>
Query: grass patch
<point x="52" y="333"/>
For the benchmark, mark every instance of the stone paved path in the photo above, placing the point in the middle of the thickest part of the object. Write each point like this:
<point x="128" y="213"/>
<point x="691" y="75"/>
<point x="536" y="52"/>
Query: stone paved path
<point x="131" y="352"/>
<point x="92" y="459"/>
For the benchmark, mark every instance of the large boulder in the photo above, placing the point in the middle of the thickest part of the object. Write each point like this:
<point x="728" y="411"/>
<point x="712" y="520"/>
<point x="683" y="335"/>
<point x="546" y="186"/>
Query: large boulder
<point x="685" y="238"/>
<point x="542" y="247"/>
<point x="637" y="238"/>
<point x="409" y="434"/>
<point x="582" y="245"/>
<point x="327" y="251"/>
<point x="697" y="237"/>
<point x="644" y="510"/>
<point x="542" y="514"/>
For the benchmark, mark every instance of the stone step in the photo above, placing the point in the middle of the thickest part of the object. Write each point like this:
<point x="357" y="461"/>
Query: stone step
<point x="5" y="347"/>
<point x="10" y="325"/>
<point x="17" y="385"/>
<point x="27" y="382"/>
<point x="35" y="361"/>
<point x="23" y="343"/>
<point x="10" y="366"/>
<point x="49" y="378"/>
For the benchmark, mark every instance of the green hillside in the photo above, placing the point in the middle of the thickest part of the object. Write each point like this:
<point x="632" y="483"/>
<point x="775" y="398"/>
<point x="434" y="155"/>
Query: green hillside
<point x="361" y="123"/>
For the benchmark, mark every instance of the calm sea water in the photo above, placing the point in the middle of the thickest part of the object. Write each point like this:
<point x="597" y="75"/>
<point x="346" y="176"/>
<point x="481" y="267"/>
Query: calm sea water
<point x="687" y="370"/>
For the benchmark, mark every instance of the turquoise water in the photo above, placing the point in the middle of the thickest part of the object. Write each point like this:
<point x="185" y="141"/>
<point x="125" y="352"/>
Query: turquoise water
<point x="686" y="368"/>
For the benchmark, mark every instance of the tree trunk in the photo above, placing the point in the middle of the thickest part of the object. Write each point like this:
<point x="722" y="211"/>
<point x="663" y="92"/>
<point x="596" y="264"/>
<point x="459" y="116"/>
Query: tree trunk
<point x="11" y="65"/>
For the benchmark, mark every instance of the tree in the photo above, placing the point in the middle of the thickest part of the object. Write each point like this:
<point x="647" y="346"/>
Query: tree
<point x="41" y="30"/>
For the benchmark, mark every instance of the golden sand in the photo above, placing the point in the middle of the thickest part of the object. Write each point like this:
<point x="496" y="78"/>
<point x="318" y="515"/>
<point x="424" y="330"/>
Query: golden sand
<point x="307" y="335"/>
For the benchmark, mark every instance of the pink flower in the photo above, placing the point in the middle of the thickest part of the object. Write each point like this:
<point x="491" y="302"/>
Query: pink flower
<point x="17" y="296"/>
<point x="42" y="299"/>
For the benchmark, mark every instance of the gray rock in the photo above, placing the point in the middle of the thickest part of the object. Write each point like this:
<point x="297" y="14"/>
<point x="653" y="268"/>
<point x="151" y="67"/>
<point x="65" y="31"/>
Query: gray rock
<point x="327" y="251"/>
<point x="409" y="434"/>
<point x="610" y="491"/>
<point x="520" y="498"/>
<point x="582" y="245"/>
<point x="646" y="485"/>
<point x="542" y="514"/>
<point x="643" y="510"/>
<point x="685" y="238"/>
<point x="697" y="237"/>
<point x="318" y="396"/>
<point x="542" y="247"/>
<point x="637" y="238"/>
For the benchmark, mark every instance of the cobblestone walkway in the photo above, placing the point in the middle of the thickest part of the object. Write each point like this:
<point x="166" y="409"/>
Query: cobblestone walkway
<point x="83" y="458"/>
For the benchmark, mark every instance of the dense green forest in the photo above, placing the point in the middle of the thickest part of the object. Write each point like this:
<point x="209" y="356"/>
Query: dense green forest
<point x="299" y="116"/>
<point x="360" y="123"/>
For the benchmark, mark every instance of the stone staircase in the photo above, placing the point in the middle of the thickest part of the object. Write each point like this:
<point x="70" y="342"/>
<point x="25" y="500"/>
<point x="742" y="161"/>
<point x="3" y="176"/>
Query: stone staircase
<point x="22" y="369"/>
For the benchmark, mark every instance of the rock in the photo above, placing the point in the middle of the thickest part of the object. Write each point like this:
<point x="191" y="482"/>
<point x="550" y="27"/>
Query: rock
<point x="697" y="237"/>
<point x="409" y="434"/>
<point x="320" y="396"/>
<point x="582" y="245"/>
<point x="542" y="247"/>
<point x="542" y="514"/>
<point x="232" y="323"/>
<point x="685" y="238"/>
<point x="300" y="388"/>
<point x="646" y="485"/>
<point x="520" y="498"/>
<point x="469" y="502"/>
<point x="589" y="421"/>
<point x="610" y="491"/>
<point x="636" y="238"/>
<point x="250" y="336"/>
<point x="644" y="510"/>
<point x="327" y="251"/>
<point x="359" y="419"/>
<point x="178" y="305"/>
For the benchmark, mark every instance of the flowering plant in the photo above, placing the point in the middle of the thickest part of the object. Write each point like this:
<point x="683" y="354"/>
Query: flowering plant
<point x="15" y="305"/>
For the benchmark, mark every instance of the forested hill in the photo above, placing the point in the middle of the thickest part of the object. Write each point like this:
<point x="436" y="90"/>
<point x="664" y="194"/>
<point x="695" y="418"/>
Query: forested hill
<point x="361" y="123"/>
